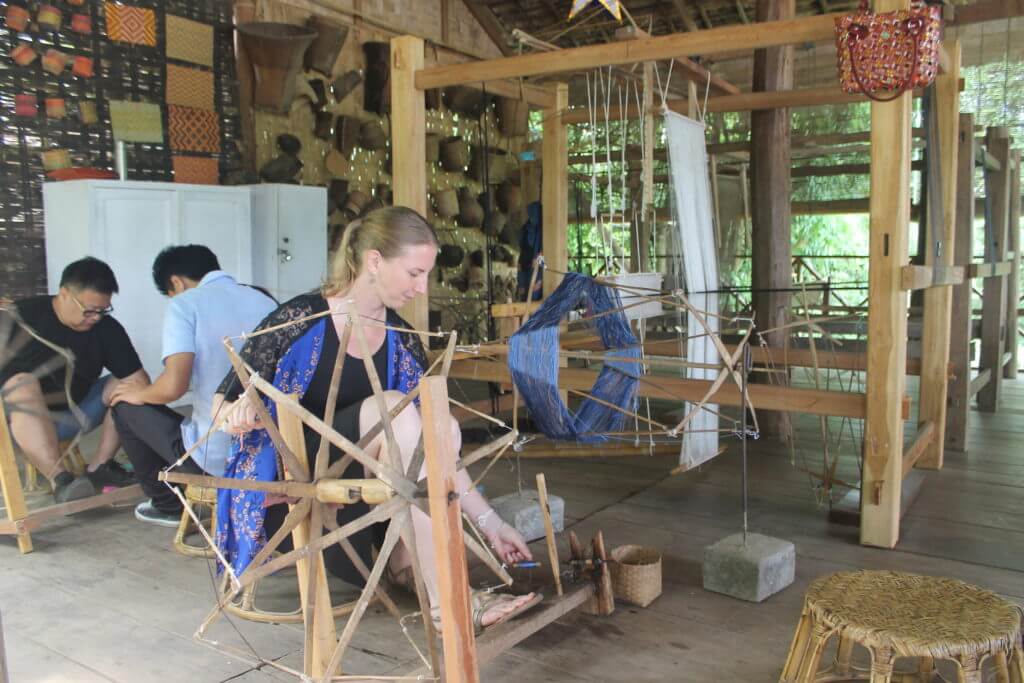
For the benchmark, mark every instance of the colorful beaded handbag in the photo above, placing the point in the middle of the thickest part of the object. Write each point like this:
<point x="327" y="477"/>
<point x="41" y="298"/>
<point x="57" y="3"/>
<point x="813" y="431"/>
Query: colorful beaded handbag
<point x="888" y="51"/>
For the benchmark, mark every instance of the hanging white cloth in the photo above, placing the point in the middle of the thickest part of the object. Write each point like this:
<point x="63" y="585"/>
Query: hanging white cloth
<point x="695" y="240"/>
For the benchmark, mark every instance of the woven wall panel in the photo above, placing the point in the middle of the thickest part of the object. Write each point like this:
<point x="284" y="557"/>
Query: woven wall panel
<point x="189" y="41"/>
<point x="198" y="170"/>
<point x="136" y="25"/>
<point x="193" y="130"/>
<point x="136" y="121"/>
<point x="189" y="87"/>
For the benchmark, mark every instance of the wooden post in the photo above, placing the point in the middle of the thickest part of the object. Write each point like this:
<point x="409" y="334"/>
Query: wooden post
<point x="460" y="662"/>
<point x="408" y="145"/>
<point x="993" y="299"/>
<point x="1013" y="279"/>
<point x="10" y="483"/>
<point x="549" y="531"/>
<point x="959" y="403"/>
<point x="887" y="315"/>
<point x="555" y="189"/>
<point x="940" y="251"/>
<point x="324" y="638"/>
<point x="245" y="11"/>
<point x="770" y="192"/>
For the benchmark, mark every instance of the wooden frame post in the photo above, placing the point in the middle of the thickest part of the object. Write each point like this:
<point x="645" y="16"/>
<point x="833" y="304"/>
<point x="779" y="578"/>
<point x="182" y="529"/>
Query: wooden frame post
<point x="960" y="326"/>
<point x="460" y="660"/>
<point x="10" y="484"/>
<point x="1013" y="279"/>
<point x="993" y="299"/>
<point x="555" y="189"/>
<point x="321" y="637"/>
<point x="408" y="145"/>
<point x="887" y="315"/>
<point x="939" y="251"/>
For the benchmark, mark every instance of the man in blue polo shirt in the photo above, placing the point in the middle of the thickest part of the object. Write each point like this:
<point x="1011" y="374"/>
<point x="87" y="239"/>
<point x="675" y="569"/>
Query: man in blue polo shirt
<point x="206" y="306"/>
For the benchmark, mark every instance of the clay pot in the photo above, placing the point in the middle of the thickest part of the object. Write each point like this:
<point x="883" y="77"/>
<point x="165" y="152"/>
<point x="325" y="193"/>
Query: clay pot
<point x="346" y="135"/>
<point x="276" y="52"/>
<point x="471" y="214"/>
<point x="450" y="256"/>
<point x="319" y="88"/>
<point x="372" y="136"/>
<point x="510" y="232"/>
<point x="376" y="93"/>
<point x="337" y="164"/>
<point x="337" y="190"/>
<point x="281" y="169"/>
<point x="345" y="84"/>
<point x="289" y="144"/>
<point x="446" y="203"/>
<point x="509" y="197"/>
<point x="513" y="116"/>
<point x="476" y="278"/>
<point x="433" y="147"/>
<point x="454" y="154"/>
<point x="324" y="127"/>
<point x="496" y="165"/>
<point x="375" y="203"/>
<point x="432" y="99"/>
<point x="356" y="202"/>
<point x="494" y="223"/>
<point x="467" y="101"/>
<point x="384" y="194"/>
<point x="324" y="50"/>
<point x="499" y="252"/>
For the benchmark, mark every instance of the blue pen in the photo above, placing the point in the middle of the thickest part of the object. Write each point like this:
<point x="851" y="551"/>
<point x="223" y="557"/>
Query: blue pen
<point x="526" y="565"/>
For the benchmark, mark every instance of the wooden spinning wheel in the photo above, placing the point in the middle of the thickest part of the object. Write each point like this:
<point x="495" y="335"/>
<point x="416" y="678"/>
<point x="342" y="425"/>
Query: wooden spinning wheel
<point x="391" y="491"/>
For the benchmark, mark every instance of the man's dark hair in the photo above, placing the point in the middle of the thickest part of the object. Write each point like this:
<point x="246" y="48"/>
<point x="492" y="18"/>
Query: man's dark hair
<point x="191" y="260"/>
<point x="89" y="273"/>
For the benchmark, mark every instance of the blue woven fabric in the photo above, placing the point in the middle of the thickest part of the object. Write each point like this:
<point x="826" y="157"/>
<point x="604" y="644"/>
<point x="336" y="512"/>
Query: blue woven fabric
<point x="533" y="362"/>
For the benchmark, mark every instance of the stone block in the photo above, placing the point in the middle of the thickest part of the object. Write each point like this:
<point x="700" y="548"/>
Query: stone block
<point x="750" y="571"/>
<point x="523" y="512"/>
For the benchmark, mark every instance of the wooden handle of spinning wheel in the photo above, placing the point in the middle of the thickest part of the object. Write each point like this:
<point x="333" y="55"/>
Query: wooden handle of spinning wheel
<point x="350" y="491"/>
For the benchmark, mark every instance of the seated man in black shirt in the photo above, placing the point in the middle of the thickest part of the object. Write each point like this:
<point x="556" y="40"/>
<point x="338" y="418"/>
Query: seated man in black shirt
<point x="35" y="385"/>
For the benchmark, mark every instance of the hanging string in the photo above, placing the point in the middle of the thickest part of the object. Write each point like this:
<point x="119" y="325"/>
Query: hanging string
<point x="592" y="114"/>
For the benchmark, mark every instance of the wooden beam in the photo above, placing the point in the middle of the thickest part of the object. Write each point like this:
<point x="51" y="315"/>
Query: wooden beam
<point x="980" y="381"/>
<point x="976" y="271"/>
<point x="926" y="434"/>
<point x="887" y="314"/>
<point x="10" y="484"/>
<point x="244" y="11"/>
<point x="1013" y="281"/>
<point x="683" y="10"/>
<point x="926" y="277"/>
<point x="790" y="399"/>
<point x="708" y="42"/>
<point x="555" y="190"/>
<point x="684" y="66"/>
<point x="959" y="396"/>
<point x="460" y="658"/>
<point x="491" y="26"/>
<point x="993" y="299"/>
<point x="498" y="639"/>
<point x="987" y="10"/>
<point x="408" y="146"/>
<point x="943" y="123"/>
<point x="841" y="169"/>
<point x="771" y="188"/>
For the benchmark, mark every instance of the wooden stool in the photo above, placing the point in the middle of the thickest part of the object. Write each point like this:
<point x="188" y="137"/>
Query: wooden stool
<point x="904" y="615"/>
<point x="74" y="463"/>
<point x="197" y="496"/>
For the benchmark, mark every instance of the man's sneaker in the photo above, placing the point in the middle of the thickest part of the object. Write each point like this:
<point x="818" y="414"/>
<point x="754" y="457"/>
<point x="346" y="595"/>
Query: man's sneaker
<point x="145" y="512"/>
<point x="67" y="488"/>
<point x="111" y="473"/>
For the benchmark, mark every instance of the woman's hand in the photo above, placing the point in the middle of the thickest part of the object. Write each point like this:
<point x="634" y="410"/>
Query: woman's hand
<point x="238" y="417"/>
<point x="509" y="544"/>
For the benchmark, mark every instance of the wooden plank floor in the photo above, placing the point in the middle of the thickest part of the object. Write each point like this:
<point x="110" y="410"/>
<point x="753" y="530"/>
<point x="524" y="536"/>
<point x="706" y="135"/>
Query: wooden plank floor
<point x="104" y="598"/>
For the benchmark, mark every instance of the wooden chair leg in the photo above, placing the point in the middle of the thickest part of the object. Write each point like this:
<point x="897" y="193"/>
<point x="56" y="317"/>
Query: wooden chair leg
<point x="926" y="669"/>
<point x="882" y="661"/>
<point x="10" y="483"/>
<point x="820" y="635"/>
<point x="797" y="649"/>
<point x="1002" y="667"/>
<point x="841" y="666"/>
<point x="969" y="669"/>
<point x="31" y="478"/>
<point x="1017" y="666"/>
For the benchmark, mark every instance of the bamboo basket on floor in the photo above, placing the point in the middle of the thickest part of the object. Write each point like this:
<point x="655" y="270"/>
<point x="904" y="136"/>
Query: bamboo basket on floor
<point x="636" y="574"/>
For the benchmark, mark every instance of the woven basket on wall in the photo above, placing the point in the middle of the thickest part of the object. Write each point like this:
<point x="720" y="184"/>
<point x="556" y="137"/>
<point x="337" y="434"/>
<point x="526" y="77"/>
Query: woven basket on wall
<point x="636" y="574"/>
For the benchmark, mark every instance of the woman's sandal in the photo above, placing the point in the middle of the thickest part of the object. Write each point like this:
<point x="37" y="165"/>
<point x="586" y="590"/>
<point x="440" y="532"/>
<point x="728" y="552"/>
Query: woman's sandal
<point x="483" y="601"/>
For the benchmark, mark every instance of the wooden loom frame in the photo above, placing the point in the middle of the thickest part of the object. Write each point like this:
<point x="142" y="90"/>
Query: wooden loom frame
<point x="882" y="404"/>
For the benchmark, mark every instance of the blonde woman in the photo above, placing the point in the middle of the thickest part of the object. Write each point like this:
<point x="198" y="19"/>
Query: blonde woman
<point x="382" y="263"/>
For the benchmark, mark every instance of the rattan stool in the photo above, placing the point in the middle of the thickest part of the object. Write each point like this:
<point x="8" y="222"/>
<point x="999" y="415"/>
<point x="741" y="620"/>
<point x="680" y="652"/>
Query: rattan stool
<point x="199" y="496"/>
<point x="904" y="615"/>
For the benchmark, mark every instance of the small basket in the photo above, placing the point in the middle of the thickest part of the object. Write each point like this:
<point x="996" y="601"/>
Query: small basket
<point x="636" y="574"/>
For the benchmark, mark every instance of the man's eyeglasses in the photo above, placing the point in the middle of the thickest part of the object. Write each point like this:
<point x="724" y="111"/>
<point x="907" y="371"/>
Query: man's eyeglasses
<point x="91" y="312"/>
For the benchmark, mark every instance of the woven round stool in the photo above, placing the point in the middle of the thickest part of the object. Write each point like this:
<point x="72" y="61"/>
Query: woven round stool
<point x="904" y="615"/>
<point x="197" y="496"/>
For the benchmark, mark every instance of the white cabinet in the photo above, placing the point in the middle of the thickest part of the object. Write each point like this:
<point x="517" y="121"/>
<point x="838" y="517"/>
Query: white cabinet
<point x="127" y="223"/>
